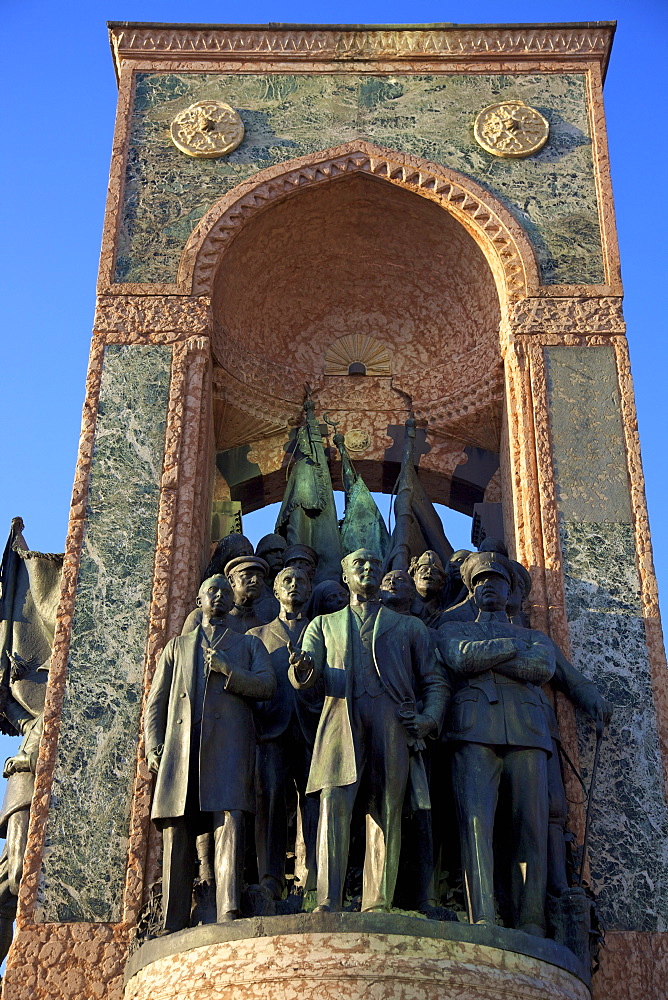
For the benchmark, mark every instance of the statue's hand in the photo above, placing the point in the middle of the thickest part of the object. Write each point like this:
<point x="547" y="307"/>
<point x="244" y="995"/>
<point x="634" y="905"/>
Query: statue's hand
<point x="302" y="663"/>
<point x="217" y="662"/>
<point x="424" y="725"/>
<point x="591" y="701"/>
<point x="13" y="765"/>
<point x="153" y="761"/>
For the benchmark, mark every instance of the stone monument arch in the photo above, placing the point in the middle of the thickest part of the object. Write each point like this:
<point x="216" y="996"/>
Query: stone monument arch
<point x="393" y="210"/>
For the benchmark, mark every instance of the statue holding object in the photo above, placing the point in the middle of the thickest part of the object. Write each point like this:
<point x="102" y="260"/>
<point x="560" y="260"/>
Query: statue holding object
<point x="367" y="666"/>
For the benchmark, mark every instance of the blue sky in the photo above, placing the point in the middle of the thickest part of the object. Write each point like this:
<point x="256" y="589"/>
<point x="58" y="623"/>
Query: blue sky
<point x="59" y="95"/>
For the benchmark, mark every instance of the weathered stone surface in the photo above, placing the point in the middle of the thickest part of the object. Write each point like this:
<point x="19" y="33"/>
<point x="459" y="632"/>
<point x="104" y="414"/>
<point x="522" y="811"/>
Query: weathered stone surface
<point x="586" y="422"/>
<point x="353" y="956"/>
<point x="629" y="837"/>
<point x="292" y="115"/>
<point x="83" y="870"/>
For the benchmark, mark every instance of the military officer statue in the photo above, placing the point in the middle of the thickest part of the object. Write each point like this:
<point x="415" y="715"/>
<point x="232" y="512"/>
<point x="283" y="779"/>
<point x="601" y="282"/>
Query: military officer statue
<point x="368" y="666"/>
<point x="200" y="740"/>
<point x="501" y="739"/>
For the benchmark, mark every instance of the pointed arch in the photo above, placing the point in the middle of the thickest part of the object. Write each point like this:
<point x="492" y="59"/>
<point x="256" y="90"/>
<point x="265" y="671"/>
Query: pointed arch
<point x="501" y="238"/>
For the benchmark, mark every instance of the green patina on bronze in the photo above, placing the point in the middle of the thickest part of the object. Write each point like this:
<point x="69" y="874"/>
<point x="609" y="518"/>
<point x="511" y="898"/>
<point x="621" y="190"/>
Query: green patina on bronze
<point x="552" y="194"/>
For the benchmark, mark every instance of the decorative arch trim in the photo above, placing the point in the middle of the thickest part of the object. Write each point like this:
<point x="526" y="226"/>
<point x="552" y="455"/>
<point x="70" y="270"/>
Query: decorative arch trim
<point x="501" y="238"/>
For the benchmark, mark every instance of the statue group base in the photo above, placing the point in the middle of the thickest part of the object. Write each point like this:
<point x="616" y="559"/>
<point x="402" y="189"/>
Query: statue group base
<point x="350" y="956"/>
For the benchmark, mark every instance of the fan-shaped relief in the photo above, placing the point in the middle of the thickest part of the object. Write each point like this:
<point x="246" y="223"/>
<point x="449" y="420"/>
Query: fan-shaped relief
<point x="358" y="354"/>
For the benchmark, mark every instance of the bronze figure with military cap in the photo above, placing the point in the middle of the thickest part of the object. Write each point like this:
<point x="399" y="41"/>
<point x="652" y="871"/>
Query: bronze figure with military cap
<point x="367" y="667"/>
<point x="501" y="741"/>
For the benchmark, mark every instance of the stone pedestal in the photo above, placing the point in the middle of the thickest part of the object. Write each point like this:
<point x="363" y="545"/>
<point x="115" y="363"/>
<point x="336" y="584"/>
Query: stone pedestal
<point x="351" y="956"/>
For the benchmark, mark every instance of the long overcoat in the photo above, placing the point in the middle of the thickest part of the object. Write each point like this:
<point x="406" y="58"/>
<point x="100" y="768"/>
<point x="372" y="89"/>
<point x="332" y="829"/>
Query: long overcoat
<point x="405" y="660"/>
<point x="227" y="746"/>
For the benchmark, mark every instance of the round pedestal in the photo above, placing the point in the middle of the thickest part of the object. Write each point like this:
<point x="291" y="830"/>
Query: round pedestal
<point x="352" y="956"/>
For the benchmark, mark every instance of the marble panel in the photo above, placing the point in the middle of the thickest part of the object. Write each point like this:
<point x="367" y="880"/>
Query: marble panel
<point x="588" y="435"/>
<point x="84" y="863"/>
<point x="629" y="833"/>
<point x="552" y="194"/>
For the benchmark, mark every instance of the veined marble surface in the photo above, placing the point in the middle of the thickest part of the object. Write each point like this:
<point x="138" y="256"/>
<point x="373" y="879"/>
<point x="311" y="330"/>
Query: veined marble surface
<point x="629" y="832"/>
<point x="586" y="421"/>
<point x="629" y="835"/>
<point x="552" y="194"/>
<point x="83" y="871"/>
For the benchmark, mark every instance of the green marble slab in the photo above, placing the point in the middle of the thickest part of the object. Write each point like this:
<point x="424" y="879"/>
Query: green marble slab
<point x="83" y="870"/>
<point x="552" y="194"/>
<point x="629" y="835"/>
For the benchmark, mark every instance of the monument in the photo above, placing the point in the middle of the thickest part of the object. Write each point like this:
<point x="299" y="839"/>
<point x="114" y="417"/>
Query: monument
<point x="377" y="259"/>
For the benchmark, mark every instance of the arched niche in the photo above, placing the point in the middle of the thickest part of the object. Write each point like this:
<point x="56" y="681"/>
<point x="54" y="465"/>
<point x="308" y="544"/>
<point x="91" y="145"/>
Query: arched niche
<point x="358" y="245"/>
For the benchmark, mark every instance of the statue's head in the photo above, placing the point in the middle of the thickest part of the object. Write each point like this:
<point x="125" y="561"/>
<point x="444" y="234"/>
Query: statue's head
<point x="490" y="544"/>
<point x="490" y="579"/>
<point x="520" y="591"/>
<point x="272" y="548"/>
<point x="215" y="597"/>
<point x="230" y="547"/>
<point x="327" y="597"/>
<point x="246" y="575"/>
<point x="362" y="573"/>
<point x="302" y="556"/>
<point x="428" y="574"/>
<point x="292" y="588"/>
<point x="397" y="590"/>
<point x="454" y="567"/>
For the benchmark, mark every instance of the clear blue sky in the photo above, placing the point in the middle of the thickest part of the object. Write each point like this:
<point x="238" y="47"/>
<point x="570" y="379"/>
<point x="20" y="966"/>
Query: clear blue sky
<point x="59" y="97"/>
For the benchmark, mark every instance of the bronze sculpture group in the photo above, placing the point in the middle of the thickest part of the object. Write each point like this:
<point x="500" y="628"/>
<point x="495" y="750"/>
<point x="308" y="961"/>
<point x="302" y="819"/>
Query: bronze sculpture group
<point x="361" y="704"/>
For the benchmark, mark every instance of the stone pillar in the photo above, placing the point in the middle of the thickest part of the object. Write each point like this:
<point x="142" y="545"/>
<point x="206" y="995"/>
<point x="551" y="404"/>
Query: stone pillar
<point x="134" y="553"/>
<point x="598" y="599"/>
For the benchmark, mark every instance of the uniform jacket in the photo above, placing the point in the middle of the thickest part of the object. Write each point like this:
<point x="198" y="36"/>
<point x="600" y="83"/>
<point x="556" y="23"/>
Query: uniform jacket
<point x="497" y="699"/>
<point x="272" y="718"/>
<point x="405" y="659"/>
<point x="227" y="746"/>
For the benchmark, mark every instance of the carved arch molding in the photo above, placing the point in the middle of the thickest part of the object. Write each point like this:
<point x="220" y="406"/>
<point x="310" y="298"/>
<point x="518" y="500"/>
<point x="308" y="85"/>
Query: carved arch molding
<point x="503" y="241"/>
<point x="461" y="400"/>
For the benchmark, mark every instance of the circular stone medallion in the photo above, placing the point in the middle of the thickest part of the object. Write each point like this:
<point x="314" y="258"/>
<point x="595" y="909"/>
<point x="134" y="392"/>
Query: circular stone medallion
<point x="357" y="440"/>
<point x="511" y="129"/>
<point x="207" y="129"/>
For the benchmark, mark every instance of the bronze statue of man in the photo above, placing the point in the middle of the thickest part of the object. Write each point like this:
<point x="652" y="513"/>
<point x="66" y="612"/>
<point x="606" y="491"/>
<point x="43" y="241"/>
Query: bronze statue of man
<point x="501" y="740"/>
<point x="283" y="752"/>
<point x="200" y="740"/>
<point x="429" y="577"/>
<point x="271" y="548"/>
<point x="368" y="666"/>
<point x="397" y="591"/>
<point x="246" y="576"/>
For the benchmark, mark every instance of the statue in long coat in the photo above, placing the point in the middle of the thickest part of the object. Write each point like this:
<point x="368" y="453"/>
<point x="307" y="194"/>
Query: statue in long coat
<point x="200" y="740"/>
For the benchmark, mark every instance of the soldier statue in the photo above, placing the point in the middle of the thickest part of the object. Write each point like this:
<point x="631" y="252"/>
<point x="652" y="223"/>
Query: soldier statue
<point x="501" y="740"/>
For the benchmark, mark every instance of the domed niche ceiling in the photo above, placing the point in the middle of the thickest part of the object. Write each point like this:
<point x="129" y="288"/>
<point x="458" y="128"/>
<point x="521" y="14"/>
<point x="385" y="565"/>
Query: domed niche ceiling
<point x="355" y="256"/>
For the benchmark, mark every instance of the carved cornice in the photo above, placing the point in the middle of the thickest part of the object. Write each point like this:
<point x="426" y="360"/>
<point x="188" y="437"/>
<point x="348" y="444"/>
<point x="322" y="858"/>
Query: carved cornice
<point x="590" y="41"/>
<point x="149" y="314"/>
<point x="580" y="315"/>
<point x="502" y="240"/>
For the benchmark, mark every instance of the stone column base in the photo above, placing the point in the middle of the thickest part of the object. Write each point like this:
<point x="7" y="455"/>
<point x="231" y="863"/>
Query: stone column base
<point x="352" y="957"/>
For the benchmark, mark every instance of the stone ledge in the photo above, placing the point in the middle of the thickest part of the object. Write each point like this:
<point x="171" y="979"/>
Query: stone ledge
<point x="385" y="925"/>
